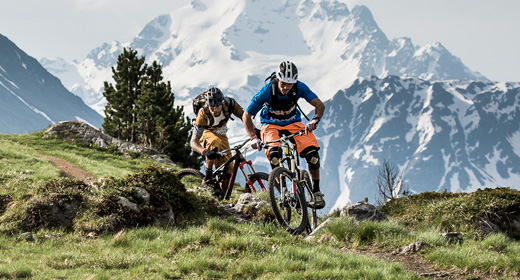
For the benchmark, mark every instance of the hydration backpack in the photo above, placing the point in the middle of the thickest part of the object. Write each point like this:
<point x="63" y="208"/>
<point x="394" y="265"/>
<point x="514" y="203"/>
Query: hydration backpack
<point x="292" y="93"/>
<point x="199" y="102"/>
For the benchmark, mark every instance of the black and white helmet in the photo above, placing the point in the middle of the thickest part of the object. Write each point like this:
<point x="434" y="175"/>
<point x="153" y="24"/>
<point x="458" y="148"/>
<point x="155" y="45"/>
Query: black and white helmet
<point x="287" y="72"/>
<point x="214" y="97"/>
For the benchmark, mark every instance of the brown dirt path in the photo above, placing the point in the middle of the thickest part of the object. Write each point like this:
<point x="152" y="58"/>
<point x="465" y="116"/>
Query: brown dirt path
<point x="425" y="268"/>
<point x="69" y="169"/>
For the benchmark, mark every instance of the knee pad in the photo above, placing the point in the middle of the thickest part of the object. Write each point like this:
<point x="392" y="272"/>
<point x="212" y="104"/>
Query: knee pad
<point x="275" y="154"/>
<point x="313" y="158"/>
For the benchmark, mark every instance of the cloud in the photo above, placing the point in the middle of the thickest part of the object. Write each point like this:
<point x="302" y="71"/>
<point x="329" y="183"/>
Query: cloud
<point x="89" y="5"/>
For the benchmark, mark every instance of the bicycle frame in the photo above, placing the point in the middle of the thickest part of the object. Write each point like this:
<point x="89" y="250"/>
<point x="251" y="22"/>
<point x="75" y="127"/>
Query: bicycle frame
<point x="290" y="155"/>
<point x="291" y="159"/>
<point x="239" y="162"/>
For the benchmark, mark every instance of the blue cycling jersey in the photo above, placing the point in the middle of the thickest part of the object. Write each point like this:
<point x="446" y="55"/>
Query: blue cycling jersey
<point x="264" y="97"/>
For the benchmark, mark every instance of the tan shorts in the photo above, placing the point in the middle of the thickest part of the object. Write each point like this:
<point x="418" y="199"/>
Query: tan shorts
<point x="210" y="141"/>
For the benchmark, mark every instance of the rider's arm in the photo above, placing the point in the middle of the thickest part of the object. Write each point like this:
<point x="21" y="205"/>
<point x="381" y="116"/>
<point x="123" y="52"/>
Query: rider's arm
<point x="254" y="107"/>
<point x="198" y="128"/>
<point x="195" y="145"/>
<point x="238" y="111"/>
<point x="312" y="98"/>
<point x="319" y="107"/>
<point x="248" y="123"/>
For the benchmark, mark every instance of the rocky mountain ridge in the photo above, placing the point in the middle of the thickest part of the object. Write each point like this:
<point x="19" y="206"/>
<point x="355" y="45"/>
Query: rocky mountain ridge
<point x="235" y="44"/>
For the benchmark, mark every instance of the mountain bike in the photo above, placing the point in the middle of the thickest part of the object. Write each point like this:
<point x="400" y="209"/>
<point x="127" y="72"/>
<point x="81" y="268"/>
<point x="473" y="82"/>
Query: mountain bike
<point x="289" y="186"/>
<point x="255" y="181"/>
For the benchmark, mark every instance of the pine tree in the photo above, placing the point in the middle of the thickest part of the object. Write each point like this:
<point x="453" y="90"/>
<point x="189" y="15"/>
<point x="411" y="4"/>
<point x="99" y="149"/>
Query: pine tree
<point x="120" y="114"/>
<point x="140" y="109"/>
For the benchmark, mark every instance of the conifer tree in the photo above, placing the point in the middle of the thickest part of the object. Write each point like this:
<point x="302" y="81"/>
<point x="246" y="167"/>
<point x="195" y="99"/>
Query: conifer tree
<point x="120" y="114"/>
<point x="140" y="109"/>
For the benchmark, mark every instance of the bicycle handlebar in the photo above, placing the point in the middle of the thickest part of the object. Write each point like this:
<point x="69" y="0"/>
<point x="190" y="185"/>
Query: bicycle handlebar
<point x="265" y="144"/>
<point x="285" y="138"/>
<point x="237" y="147"/>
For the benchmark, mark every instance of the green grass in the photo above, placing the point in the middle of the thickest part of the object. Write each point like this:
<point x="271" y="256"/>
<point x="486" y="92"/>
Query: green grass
<point x="496" y="253"/>
<point x="221" y="250"/>
<point x="92" y="159"/>
<point x="201" y="246"/>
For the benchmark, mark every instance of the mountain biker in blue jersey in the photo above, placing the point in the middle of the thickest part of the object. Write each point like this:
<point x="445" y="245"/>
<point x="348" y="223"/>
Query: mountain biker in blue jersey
<point x="281" y="115"/>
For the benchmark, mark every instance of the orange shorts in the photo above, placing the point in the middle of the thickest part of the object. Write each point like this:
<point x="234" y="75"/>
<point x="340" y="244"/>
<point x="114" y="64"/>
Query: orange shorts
<point x="271" y="132"/>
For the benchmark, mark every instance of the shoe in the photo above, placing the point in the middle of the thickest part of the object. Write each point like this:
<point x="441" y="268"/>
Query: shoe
<point x="218" y="193"/>
<point x="209" y="183"/>
<point x="317" y="202"/>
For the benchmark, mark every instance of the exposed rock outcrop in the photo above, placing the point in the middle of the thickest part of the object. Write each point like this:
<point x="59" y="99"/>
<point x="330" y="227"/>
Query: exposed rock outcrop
<point x="88" y="134"/>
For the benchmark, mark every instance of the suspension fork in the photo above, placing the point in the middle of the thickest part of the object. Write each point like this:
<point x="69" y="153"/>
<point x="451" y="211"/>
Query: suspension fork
<point x="248" y="180"/>
<point x="288" y="155"/>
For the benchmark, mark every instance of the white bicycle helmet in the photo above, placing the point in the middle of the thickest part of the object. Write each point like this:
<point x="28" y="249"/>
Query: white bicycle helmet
<point x="214" y="97"/>
<point x="287" y="72"/>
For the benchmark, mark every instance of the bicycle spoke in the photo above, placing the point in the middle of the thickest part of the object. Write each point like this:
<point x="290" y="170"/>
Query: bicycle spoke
<point x="287" y="201"/>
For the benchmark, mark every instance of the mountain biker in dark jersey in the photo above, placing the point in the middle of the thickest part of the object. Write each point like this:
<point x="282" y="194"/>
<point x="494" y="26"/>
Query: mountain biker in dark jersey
<point x="209" y="132"/>
<point x="281" y="115"/>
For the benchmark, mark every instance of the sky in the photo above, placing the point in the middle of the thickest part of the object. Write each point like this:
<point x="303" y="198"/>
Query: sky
<point x="482" y="33"/>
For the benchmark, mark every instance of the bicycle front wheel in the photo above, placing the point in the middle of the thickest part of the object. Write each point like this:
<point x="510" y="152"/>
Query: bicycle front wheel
<point x="287" y="200"/>
<point x="258" y="181"/>
<point x="190" y="177"/>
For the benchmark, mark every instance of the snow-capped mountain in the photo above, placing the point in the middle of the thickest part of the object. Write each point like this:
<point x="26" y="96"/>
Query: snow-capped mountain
<point x="31" y="98"/>
<point x="235" y="44"/>
<point x="457" y="135"/>
<point x="444" y="135"/>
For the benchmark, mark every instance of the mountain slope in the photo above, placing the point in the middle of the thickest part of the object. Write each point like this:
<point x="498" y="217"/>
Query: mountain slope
<point x="234" y="44"/>
<point x="450" y="135"/>
<point x="31" y="98"/>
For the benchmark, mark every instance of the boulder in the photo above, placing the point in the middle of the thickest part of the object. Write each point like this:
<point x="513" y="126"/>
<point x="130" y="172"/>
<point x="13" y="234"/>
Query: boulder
<point x="91" y="135"/>
<point x="247" y="199"/>
<point x="363" y="211"/>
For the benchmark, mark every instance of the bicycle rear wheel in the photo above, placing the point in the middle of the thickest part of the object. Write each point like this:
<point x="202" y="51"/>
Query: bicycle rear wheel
<point x="313" y="216"/>
<point x="287" y="200"/>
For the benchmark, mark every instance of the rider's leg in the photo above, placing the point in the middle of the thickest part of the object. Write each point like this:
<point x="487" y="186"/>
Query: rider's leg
<point x="313" y="161"/>
<point x="209" y="169"/>
<point x="274" y="155"/>
<point x="315" y="177"/>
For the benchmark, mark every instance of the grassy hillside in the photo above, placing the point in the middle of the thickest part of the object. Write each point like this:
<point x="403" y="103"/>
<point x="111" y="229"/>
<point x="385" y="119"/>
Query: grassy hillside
<point x="103" y="240"/>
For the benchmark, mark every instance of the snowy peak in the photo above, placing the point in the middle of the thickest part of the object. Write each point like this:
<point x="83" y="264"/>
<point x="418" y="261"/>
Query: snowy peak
<point x="105" y="55"/>
<point x="31" y="98"/>
<point x="262" y="26"/>
<point x="153" y="35"/>
<point x="235" y="44"/>
<point x="454" y="135"/>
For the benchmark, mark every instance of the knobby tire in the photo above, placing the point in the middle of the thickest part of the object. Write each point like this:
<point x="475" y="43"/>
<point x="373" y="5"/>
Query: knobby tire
<point x="255" y="178"/>
<point x="292" y="211"/>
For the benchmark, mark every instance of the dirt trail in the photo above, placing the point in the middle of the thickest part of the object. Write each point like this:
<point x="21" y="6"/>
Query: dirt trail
<point x="425" y="268"/>
<point x="412" y="263"/>
<point x="69" y="169"/>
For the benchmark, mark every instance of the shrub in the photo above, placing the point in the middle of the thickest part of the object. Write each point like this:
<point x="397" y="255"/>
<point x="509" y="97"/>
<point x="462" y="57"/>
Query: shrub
<point x="459" y="211"/>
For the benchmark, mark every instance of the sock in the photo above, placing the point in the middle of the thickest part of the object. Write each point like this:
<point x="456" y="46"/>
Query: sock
<point x="315" y="185"/>
<point x="209" y="174"/>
